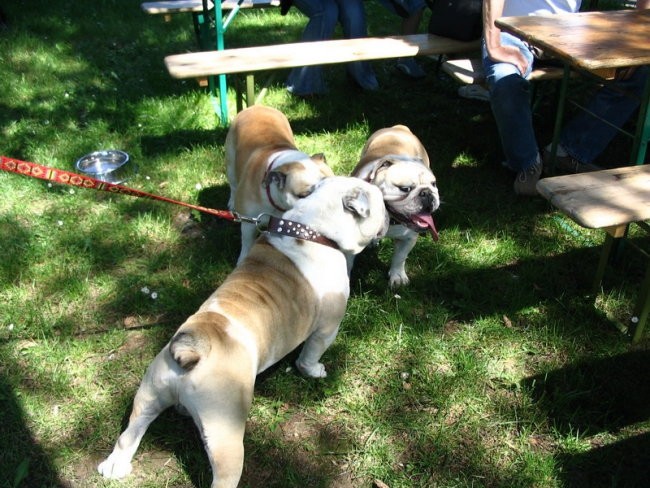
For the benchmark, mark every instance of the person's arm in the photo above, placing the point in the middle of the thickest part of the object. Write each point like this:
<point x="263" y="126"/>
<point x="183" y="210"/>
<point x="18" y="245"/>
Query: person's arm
<point x="643" y="4"/>
<point x="492" y="10"/>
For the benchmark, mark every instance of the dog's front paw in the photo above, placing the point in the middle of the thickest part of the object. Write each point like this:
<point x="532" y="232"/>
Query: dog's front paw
<point x="114" y="467"/>
<point x="313" y="371"/>
<point x="397" y="279"/>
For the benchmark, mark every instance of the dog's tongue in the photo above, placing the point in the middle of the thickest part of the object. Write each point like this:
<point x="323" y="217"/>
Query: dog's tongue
<point x="425" y="220"/>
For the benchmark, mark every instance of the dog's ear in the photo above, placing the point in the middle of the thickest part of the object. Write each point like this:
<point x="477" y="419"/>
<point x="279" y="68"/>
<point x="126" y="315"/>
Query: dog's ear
<point x="374" y="168"/>
<point x="319" y="157"/>
<point x="386" y="162"/>
<point x="277" y="177"/>
<point x="357" y="202"/>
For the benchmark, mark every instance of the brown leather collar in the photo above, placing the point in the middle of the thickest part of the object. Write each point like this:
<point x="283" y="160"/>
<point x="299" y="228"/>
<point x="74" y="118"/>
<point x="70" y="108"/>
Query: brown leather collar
<point x="297" y="230"/>
<point x="267" y="185"/>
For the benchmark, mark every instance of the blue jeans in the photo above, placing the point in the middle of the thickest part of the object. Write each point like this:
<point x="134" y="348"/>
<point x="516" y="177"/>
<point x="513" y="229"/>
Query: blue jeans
<point x="585" y="137"/>
<point x="510" y="98"/>
<point x="323" y="17"/>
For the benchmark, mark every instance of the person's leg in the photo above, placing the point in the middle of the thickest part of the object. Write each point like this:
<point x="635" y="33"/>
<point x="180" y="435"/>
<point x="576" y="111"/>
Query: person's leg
<point x="411" y="12"/>
<point x="586" y="136"/>
<point x="352" y="16"/>
<point x="510" y="98"/>
<point x="323" y="17"/>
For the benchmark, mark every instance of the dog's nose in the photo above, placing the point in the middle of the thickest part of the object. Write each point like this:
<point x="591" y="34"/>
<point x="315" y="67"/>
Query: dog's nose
<point x="426" y="196"/>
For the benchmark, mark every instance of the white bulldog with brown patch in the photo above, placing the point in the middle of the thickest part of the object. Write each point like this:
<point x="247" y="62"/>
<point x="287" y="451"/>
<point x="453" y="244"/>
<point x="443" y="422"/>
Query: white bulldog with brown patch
<point x="292" y="288"/>
<point x="394" y="160"/>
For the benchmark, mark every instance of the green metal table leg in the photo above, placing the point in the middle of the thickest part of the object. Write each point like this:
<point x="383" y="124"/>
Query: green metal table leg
<point x="222" y="88"/>
<point x="564" y="88"/>
<point x="642" y="135"/>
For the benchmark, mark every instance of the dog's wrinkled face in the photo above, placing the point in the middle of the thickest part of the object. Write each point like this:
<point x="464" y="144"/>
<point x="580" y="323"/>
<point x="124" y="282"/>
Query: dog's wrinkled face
<point x="347" y="210"/>
<point x="297" y="179"/>
<point x="410" y="193"/>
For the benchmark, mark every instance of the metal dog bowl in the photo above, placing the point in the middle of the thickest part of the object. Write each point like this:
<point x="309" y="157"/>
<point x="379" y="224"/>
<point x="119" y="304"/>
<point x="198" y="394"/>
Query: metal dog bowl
<point x="111" y="166"/>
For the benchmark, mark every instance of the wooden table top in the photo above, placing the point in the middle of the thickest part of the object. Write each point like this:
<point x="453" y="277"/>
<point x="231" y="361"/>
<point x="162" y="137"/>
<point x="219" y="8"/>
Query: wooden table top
<point x="601" y="199"/>
<point x="589" y="40"/>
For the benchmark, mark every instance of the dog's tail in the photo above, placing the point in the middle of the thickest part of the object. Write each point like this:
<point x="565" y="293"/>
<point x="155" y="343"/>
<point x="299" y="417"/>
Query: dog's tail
<point x="193" y="341"/>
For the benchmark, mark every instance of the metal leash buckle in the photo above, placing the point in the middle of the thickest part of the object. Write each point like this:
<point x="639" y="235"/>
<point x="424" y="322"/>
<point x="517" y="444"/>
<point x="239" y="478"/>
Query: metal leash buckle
<point x="261" y="225"/>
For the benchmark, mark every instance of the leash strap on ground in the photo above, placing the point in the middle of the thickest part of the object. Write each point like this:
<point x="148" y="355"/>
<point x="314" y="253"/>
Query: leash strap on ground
<point x="68" y="178"/>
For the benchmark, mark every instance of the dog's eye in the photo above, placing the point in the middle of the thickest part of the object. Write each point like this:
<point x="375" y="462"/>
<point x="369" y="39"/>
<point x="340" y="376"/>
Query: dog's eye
<point x="405" y="189"/>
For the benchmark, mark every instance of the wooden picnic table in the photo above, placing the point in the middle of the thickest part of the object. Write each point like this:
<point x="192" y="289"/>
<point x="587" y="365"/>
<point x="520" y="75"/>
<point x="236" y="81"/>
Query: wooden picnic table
<point x="597" y="42"/>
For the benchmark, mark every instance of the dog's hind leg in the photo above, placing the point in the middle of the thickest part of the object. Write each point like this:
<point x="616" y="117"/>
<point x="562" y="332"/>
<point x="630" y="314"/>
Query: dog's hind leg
<point x="153" y="396"/>
<point x="220" y="410"/>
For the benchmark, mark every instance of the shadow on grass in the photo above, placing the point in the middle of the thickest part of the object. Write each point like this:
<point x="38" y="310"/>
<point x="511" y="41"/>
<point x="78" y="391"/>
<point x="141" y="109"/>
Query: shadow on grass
<point x="600" y="396"/>
<point x="625" y="464"/>
<point x="23" y="462"/>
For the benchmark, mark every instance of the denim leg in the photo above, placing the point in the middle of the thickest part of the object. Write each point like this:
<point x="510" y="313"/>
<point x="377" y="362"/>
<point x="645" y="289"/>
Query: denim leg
<point x="585" y="137"/>
<point x="323" y="16"/>
<point x="510" y="99"/>
<point x="352" y="16"/>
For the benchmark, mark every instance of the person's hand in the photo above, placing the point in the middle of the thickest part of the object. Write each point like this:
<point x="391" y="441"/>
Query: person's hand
<point x="512" y="55"/>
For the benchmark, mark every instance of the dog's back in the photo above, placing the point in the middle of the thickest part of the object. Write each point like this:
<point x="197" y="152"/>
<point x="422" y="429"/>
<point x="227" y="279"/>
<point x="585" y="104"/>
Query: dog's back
<point x="257" y="128"/>
<point x="397" y="140"/>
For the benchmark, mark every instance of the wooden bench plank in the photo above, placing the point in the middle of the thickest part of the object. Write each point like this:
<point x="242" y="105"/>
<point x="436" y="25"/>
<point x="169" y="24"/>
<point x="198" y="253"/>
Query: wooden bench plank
<point x="606" y="199"/>
<point x="179" y="6"/>
<point x="279" y="56"/>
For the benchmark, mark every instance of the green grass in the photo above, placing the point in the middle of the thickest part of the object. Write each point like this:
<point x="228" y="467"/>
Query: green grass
<point x="495" y="367"/>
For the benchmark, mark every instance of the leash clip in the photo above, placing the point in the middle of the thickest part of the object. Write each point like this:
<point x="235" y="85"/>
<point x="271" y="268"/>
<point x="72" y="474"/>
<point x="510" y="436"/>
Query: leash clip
<point x="261" y="225"/>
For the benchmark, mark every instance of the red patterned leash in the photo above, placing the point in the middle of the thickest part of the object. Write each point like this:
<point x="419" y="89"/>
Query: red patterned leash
<point x="67" y="178"/>
<point x="274" y="225"/>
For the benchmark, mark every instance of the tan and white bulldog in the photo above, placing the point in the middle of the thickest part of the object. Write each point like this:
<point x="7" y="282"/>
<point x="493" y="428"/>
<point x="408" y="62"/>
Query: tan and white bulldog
<point x="293" y="287"/>
<point x="266" y="172"/>
<point x="394" y="160"/>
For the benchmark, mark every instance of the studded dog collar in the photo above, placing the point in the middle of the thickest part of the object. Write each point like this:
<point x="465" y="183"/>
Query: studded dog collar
<point x="299" y="231"/>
